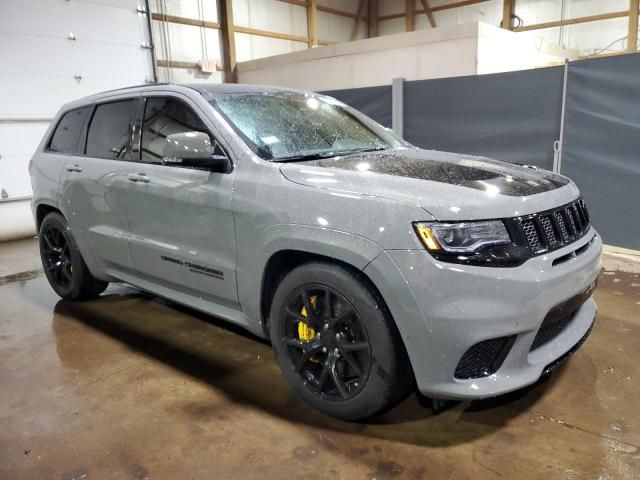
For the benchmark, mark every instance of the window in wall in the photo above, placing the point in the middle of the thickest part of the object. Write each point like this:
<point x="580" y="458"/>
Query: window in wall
<point x="110" y="129"/>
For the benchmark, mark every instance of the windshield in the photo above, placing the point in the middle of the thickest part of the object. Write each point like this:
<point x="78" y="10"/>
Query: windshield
<point x="289" y="126"/>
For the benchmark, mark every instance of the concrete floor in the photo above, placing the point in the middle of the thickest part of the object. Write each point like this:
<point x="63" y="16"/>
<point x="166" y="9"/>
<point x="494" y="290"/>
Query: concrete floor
<point x="130" y="386"/>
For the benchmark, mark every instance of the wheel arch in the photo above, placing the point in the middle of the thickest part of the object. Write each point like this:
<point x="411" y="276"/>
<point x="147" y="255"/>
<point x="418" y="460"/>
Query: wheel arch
<point x="41" y="211"/>
<point x="278" y="266"/>
<point x="284" y="261"/>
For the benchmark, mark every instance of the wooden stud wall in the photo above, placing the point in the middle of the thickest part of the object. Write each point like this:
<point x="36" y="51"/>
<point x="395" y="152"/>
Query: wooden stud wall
<point x="368" y="13"/>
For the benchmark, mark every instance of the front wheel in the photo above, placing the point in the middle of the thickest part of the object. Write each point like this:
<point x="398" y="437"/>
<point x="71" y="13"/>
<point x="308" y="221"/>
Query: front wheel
<point x="336" y="343"/>
<point x="62" y="262"/>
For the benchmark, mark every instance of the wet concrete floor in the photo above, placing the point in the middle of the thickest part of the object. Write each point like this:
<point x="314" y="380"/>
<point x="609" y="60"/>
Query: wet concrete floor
<point x="130" y="386"/>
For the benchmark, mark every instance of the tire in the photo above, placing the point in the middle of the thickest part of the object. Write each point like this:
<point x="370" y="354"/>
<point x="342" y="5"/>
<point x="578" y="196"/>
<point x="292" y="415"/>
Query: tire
<point x="62" y="262"/>
<point x="373" y="379"/>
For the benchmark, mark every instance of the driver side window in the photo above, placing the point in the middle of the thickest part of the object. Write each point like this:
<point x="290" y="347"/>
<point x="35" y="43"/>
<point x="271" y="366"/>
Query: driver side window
<point x="169" y="126"/>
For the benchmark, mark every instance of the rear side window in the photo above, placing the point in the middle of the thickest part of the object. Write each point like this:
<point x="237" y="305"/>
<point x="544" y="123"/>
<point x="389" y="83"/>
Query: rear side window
<point x="67" y="133"/>
<point x="110" y="129"/>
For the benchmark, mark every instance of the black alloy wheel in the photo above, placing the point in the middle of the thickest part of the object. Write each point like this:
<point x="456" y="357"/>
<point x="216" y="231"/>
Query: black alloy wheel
<point x="56" y="256"/>
<point x="336" y="342"/>
<point x="327" y="342"/>
<point x="62" y="261"/>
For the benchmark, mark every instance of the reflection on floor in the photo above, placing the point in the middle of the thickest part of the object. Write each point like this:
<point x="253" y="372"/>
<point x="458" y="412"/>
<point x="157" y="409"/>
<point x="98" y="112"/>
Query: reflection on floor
<point x="131" y="386"/>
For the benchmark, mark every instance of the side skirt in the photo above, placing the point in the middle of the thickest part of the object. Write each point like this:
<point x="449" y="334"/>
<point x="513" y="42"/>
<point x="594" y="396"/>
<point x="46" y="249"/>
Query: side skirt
<point x="224" y="312"/>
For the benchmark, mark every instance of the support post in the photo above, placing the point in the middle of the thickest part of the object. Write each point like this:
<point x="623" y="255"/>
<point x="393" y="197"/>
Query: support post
<point x="373" y="18"/>
<point x="410" y="16"/>
<point x="428" y="12"/>
<point x="225" y="14"/>
<point x="508" y="10"/>
<point x="356" y="26"/>
<point x="558" y="144"/>
<point x="152" y="50"/>
<point x="397" y="106"/>
<point x="312" y="33"/>
<point x="632" y="38"/>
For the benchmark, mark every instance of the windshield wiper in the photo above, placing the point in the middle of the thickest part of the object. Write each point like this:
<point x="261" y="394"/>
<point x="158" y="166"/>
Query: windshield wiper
<point x="320" y="155"/>
<point x="361" y="150"/>
<point x="307" y="156"/>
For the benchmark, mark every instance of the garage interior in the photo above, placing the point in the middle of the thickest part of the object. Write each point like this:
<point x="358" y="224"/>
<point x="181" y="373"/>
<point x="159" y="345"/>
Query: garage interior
<point x="134" y="386"/>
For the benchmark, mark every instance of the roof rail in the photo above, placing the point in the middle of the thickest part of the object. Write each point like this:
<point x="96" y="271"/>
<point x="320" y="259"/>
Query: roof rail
<point x="135" y="86"/>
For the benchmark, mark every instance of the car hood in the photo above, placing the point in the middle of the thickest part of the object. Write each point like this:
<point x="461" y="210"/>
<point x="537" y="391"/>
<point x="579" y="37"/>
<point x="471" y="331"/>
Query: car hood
<point x="449" y="186"/>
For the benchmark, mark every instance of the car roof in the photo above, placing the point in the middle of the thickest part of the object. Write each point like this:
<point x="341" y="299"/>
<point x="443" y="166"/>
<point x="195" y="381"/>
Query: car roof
<point x="208" y="90"/>
<point x="215" y="89"/>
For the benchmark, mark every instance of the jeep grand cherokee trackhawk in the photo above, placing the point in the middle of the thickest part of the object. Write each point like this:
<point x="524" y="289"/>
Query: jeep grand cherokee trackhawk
<point x="373" y="266"/>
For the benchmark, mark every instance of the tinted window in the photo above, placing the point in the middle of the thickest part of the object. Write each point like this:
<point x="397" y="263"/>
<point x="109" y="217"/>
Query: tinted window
<point x="110" y="129"/>
<point x="65" y="138"/>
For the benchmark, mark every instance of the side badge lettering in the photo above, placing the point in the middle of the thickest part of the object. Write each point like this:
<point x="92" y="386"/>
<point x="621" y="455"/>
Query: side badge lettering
<point x="195" y="268"/>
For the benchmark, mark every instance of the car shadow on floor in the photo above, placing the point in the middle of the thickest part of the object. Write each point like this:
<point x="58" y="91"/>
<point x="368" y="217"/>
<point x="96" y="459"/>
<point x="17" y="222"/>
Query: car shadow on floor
<point x="243" y="368"/>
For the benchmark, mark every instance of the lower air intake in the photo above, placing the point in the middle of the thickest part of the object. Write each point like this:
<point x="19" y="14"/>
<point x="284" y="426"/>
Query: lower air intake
<point x="484" y="358"/>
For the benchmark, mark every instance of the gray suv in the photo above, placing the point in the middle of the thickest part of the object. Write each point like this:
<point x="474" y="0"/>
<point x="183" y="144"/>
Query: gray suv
<point x="371" y="265"/>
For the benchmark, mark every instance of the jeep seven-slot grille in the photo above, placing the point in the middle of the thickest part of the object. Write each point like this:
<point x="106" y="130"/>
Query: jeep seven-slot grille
<point x="556" y="228"/>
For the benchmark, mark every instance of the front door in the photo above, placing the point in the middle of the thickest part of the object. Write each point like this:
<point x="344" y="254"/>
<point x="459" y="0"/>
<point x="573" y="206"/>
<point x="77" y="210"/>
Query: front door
<point x="180" y="218"/>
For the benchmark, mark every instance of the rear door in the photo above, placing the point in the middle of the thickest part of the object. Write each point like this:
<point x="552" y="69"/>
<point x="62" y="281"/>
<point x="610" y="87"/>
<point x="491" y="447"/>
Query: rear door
<point x="93" y="194"/>
<point x="182" y="225"/>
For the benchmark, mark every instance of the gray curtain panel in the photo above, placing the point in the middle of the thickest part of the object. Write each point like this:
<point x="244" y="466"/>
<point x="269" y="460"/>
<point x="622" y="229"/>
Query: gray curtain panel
<point x="375" y="102"/>
<point x="512" y="116"/>
<point x="602" y="143"/>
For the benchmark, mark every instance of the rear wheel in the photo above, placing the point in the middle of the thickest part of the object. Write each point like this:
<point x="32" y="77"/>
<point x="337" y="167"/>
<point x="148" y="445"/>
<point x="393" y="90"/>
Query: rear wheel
<point x="63" y="265"/>
<point x="336" y="343"/>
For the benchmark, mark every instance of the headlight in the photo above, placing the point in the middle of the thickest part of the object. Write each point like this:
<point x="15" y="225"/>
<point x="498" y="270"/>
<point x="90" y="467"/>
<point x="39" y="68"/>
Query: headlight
<point x="463" y="237"/>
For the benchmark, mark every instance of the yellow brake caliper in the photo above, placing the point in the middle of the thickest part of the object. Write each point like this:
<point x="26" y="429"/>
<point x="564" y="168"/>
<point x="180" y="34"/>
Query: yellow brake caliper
<point x="305" y="332"/>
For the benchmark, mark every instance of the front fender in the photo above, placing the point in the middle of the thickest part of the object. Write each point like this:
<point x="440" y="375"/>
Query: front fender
<point x="354" y="250"/>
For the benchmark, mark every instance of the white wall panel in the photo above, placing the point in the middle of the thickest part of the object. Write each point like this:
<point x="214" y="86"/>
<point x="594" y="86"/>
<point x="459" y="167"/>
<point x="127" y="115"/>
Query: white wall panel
<point x="389" y="27"/>
<point x="183" y="42"/>
<point x="590" y="37"/>
<point x="99" y="64"/>
<point x="488" y="12"/>
<point x="337" y="28"/>
<point x="271" y="15"/>
<point x="186" y="42"/>
<point x="188" y="75"/>
<point x="250" y="47"/>
<point x="350" y="6"/>
<point x="391" y="7"/>
<point x="16" y="145"/>
<point x="73" y="16"/>
<point x="39" y="65"/>
<point x="583" y="8"/>
<point x="611" y="36"/>
<point x="539" y="11"/>
<point x="202" y="9"/>
<point x="432" y="53"/>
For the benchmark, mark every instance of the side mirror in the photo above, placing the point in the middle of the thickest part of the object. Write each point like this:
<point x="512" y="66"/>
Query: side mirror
<point x="194" y="149"/>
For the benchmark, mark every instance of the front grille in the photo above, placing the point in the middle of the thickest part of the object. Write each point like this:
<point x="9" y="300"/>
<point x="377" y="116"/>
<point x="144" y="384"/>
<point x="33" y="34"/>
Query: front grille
<point x="484" y="358"/>
<point x="556" y="228"/>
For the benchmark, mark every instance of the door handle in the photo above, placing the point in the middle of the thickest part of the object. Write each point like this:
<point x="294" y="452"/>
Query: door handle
<point x="73" y="168"/>
<point x="138" y="177"/>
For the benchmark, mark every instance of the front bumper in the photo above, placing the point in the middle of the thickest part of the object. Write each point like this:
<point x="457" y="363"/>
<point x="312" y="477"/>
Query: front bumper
<point x="448" y="308"/>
